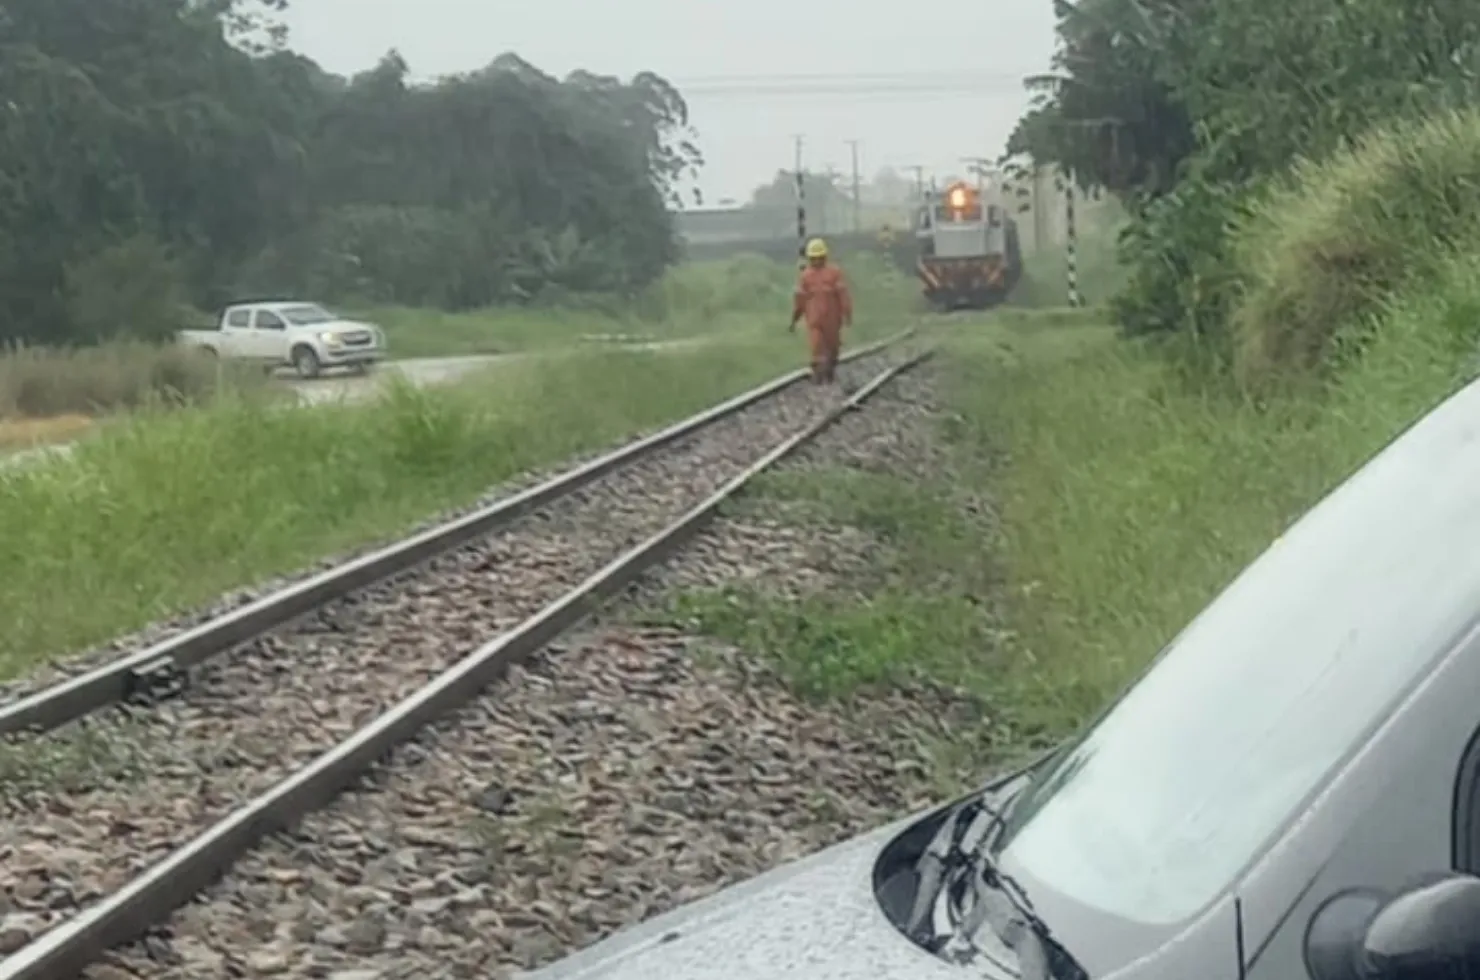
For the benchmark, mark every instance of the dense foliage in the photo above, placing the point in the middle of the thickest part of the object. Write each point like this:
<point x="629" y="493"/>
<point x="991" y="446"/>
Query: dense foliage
<point x="154" y="152"/>
<point x="1189" y="110"/>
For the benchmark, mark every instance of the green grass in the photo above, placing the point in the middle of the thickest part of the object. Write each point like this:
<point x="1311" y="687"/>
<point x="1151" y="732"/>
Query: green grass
<point x="163" y="510"/>
<point x="1125" y="498"/>
<point x="1129" y="498"/>
<point x="737" y="297"/>
<point x="1326" y="251"/>
<point x="414" y="333"/>
<point x="915" y="615"/>
<point x="1050" y="316"/>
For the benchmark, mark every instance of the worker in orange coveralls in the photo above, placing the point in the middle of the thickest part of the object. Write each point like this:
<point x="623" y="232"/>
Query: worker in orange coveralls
<point x="822" y="297"/>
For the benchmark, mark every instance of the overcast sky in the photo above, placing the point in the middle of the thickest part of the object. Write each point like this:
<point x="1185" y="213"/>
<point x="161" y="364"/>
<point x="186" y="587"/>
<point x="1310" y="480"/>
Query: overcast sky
<point x="917" y="83"/>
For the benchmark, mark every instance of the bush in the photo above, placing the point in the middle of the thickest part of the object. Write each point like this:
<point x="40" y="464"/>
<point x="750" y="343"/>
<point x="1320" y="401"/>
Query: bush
<point x="131" y="289"/>
<point x="1326" y="250"/>
<point x="704" y="291"/>
<point x="39" y="382"/>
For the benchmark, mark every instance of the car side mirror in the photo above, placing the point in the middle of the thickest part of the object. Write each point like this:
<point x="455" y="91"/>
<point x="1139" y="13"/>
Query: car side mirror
<point x="1429" y="931"/>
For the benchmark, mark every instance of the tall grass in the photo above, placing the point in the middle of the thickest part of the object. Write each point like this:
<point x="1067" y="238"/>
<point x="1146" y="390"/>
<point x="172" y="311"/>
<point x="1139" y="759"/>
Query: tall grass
<point x="1340" y="237"/>
<point x="1129" y="499"/>
<point x="38" y="382"/>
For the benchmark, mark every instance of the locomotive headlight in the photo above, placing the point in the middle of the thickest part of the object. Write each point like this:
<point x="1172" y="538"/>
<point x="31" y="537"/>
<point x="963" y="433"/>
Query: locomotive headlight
<point x="958" y="197"/>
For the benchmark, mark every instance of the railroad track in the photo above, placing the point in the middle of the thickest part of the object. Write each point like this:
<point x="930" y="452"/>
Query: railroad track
<point x="372" y="652"/>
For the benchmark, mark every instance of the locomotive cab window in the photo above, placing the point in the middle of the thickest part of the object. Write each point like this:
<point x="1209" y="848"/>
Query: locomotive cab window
<point x="971" y="211"/>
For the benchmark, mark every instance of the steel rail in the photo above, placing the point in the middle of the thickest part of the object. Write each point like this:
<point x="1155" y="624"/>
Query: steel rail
<point x="148" y="899"/>
<point x="112" y="682"/>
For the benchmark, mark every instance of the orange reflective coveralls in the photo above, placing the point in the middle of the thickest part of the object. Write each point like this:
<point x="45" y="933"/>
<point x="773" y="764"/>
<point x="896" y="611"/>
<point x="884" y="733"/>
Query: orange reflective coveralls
<point x="822" y="298"/>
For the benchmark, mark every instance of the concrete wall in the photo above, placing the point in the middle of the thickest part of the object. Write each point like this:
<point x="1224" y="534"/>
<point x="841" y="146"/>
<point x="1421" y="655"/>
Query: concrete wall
<point x="1045" y="225"/>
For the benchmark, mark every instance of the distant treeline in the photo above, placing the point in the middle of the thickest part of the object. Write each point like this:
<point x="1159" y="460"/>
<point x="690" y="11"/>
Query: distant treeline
<point x="161" y="152"/>
<point x="902" y="252"/>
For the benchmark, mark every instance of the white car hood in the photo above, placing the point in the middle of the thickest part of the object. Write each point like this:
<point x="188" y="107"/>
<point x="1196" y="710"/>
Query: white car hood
<point x="814" y="919"/>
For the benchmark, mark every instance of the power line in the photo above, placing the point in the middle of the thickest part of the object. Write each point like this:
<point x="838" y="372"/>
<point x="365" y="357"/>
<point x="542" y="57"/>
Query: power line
<point x="857" y="188"/>
<point x="890" y="78"/>
<point x="858" y="92"/>
<point x="849" y="85"/>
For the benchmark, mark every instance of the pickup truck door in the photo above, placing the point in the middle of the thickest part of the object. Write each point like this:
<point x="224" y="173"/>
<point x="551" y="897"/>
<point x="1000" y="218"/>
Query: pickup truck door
<point x="269" y="336"/>
<point x="236" y="333"/>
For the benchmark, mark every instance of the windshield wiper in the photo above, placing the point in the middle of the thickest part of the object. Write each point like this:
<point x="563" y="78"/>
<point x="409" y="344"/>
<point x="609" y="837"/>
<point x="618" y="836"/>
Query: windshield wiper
<point x="957" y="872"/>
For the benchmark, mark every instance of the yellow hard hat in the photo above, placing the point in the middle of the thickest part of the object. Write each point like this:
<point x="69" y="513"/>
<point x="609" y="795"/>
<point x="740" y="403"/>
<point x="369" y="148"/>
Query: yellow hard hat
<point x="817" y="249"/>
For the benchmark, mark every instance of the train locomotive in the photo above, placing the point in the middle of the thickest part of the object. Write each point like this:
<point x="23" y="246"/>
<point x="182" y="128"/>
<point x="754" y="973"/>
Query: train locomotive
<point x="969" y="256"/>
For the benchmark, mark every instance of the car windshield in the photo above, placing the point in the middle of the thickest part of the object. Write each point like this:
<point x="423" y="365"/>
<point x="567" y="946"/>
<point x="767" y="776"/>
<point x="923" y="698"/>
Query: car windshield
<point x="306" y="315"/>
<point x="1182" y="783"/>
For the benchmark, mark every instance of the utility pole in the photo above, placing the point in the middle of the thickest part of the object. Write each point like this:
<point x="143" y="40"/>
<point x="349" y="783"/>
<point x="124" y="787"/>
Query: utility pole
<point x="830" y="177"/>
<point x="1071" y="267"/>
<point x="857" y="189"/>
<point x="919" y="172"/>
<point x="1040" y="214"/>
<point x="801" y="205"/>
<point x="1065" y="183"/>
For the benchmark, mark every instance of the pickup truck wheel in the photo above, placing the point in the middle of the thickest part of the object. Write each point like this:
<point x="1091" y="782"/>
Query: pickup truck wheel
<point x="305" y="362"/>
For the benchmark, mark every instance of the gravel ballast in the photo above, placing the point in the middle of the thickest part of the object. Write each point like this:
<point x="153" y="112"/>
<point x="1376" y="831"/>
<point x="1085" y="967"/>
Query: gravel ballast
<point x="92" y="805"/>
<point x="620" y="773"/>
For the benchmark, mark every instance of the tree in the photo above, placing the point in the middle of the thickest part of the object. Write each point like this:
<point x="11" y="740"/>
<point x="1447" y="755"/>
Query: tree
<point x="821" y="190"/>
<point x="131" y="129"/>
<point x="1187" y="109"/>
<point x="890" y="189"/>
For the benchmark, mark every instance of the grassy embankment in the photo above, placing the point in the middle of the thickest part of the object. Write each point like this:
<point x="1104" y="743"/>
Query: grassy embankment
<point x="49" y="396"/>
<point x="1128" y="490"/>
<point x="166" y="508"/>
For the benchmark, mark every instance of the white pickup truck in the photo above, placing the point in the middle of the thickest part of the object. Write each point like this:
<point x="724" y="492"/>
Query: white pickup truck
<point x="304" y="335"/>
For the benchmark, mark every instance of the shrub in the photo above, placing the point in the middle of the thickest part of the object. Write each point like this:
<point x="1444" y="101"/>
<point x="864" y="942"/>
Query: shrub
<point x="131" y="289"/>
<point x="1323" y="252"/>
<point x="40" y="382"/>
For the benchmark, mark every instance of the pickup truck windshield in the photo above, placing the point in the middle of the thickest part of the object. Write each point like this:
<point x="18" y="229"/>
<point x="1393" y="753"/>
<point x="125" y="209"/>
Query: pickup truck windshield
<point x="1158" y="808"/>
<point x="306" y="315"/>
